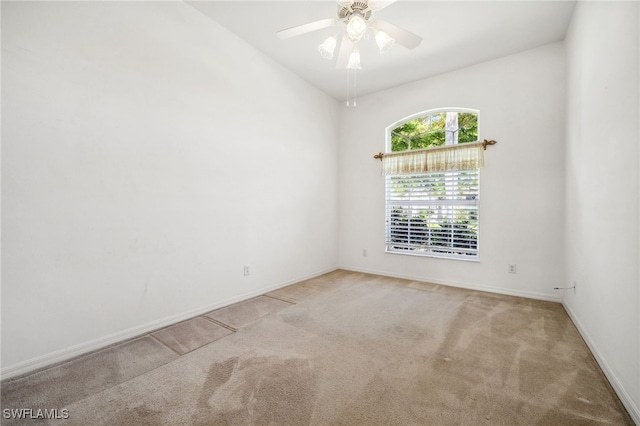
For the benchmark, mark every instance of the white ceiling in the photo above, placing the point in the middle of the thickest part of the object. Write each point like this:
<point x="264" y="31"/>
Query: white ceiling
<point x="455" y="34"/>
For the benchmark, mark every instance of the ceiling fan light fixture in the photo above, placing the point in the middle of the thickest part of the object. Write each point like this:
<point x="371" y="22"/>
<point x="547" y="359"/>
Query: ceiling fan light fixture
<point x="354" y="60"/>
<point x="356" y="27"/>
<point x="328" y="46"/>
<point x="384" y="41"/>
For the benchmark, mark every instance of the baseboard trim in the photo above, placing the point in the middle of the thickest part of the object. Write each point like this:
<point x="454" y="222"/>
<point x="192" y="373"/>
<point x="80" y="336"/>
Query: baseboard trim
<point x="625" y="398"/>
<point x="62" y="355"/>
<point x="489" y="289"/>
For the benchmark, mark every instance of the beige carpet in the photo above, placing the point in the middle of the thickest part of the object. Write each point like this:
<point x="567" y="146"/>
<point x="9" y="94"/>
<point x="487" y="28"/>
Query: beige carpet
<point x="342" y="349"/>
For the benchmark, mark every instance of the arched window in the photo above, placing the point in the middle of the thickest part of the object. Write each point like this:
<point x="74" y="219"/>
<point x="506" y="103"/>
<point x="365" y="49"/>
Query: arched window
<point x="433" y="184"/>
<point x="434" y="128"/>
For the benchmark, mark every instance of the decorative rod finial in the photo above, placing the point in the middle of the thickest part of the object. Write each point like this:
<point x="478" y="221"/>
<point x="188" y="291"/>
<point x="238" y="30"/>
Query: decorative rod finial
<point x="486" y="142"/>
<point x="378" y="156"/>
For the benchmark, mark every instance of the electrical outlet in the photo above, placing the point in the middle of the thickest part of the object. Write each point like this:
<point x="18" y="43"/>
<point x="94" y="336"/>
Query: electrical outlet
<point x="364" y="252"/>
<point x="512" y="268"/>
<point x="246" y="270"/>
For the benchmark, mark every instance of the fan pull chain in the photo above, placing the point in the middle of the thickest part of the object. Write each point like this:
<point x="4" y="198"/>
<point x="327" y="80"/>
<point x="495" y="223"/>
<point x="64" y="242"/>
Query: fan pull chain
<point x="349" y="97"/>
<point x="347" y="88"/>
<point x="355" y="103"/>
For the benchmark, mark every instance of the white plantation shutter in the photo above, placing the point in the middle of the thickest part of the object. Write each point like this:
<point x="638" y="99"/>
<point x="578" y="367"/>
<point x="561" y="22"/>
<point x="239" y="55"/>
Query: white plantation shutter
<point x="433" y="214"/>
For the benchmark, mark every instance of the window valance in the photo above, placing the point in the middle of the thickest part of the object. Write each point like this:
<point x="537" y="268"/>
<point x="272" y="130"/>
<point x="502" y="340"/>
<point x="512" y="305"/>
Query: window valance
<point x="447" y="158"/>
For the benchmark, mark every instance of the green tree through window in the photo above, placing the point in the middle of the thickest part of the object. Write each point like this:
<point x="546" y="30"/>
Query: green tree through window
<point x="431" y="130"/>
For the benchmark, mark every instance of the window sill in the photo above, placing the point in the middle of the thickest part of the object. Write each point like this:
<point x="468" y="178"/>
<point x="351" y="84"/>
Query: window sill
<point x="434" y="256"/>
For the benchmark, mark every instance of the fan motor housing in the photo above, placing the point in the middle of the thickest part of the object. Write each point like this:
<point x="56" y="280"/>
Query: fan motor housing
<point x="357" y="7"/>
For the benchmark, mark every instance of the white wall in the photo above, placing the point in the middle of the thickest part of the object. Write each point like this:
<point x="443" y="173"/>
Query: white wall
<point x="147" y="155"/>
<point x="602" y="188"/>
<point x="521" y="103"/>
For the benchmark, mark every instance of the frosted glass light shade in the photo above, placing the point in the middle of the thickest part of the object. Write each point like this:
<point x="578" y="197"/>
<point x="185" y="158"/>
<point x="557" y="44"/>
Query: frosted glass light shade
<point x="327" y="47"/>
<point x="354" y="60"/>
<point x="356" y="27"/>
<point x="384" y="41"/>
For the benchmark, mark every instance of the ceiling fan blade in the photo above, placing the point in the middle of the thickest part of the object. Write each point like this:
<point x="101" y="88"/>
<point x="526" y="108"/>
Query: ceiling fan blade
<point x="401" y="36"/>
<point x="380" y="4"/>
<point x="346" y="47"/>
<point x="306" y="28"/>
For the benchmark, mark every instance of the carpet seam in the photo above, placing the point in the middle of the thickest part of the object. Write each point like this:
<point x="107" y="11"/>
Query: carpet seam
<point x="221" y="324"/>
<point x="164" y="344"/>
<point x="282" y="298"/>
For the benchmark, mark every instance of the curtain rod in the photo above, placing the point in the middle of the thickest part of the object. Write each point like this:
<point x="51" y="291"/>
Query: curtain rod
<point x="484" y="144"/>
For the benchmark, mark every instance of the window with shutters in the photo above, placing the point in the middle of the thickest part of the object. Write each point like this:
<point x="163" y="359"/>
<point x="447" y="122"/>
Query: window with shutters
<point x="432" y="209"/>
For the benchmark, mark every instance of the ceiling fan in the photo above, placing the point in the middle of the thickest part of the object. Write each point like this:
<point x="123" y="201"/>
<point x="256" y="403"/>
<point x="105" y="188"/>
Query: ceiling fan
<point x="356" y="15"/>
